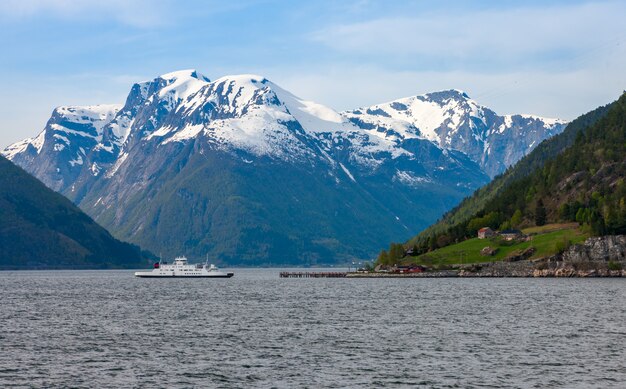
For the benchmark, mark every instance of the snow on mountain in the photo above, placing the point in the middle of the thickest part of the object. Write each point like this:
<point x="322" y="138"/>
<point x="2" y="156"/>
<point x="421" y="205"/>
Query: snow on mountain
<point x="20" y="147"/>
<point x="56" y="156"/>
<point x="95" y="115"/>
<point x="397" y="165"/>
<point x="452" y="120"/>
<point x="234" y="112"/>
<point x="73" y="121"/>
<point x="151" y="101"/>
<point x="182" y="84"/>
<point x="313" y="117"/>
<point x="250" y="112"/>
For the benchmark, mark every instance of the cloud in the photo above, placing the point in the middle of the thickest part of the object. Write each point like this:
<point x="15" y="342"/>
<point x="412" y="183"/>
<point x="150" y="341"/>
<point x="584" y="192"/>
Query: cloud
<point x="136" y="13"/>
<point x="565" y="95"/>
<point x="555" y="61"/>
<point x="491" y="40"/>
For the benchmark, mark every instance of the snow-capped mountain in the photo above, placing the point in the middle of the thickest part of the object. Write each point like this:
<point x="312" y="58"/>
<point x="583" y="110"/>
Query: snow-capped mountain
<point x="452" y="120"/>
<point x="56" y="156"/>
<point x="246" y="171"/>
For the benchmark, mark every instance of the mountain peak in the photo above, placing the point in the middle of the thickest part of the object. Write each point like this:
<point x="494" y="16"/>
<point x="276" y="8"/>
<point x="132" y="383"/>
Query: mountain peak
<point x="243" y="79"/>
<point x="238" y="156"/>
<point x="455" y="94"/>
<point x="84" y="120"/>
<point x="184" y="74"/>
<point x="179" y="84"/>
<point x="99" y="111"/>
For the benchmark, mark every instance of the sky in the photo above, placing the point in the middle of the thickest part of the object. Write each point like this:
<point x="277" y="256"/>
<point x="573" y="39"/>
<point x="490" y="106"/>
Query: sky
<point x="550" y="58"/>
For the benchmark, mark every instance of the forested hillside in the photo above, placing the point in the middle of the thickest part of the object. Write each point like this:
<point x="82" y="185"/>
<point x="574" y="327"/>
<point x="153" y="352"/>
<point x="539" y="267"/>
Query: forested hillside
<point x="575" y="176"/>
<point x="40" y="229"/>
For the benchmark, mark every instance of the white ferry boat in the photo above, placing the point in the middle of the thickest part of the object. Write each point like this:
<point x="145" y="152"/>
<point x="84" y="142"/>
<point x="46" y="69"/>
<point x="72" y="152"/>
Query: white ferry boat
<point x="181" y="268"/>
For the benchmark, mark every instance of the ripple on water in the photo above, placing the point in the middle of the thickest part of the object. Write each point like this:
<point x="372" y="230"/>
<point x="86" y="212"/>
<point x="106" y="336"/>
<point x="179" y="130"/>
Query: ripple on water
<point x="108" y="329"/>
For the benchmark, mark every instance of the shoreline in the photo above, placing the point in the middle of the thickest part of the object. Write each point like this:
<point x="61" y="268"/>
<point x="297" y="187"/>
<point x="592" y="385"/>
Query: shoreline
<point x="462" y="274"/>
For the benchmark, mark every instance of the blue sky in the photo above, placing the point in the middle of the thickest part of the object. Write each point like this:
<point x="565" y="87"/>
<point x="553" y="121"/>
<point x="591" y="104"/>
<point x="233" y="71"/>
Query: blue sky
<point x="551" y="58"/>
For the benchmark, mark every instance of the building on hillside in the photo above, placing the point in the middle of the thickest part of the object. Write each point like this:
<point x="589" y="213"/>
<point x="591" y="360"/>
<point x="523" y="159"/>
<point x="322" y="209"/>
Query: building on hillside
<point x="409" y="269"/>
<point x="485" y="233"/>
<point x="511" y="234"/>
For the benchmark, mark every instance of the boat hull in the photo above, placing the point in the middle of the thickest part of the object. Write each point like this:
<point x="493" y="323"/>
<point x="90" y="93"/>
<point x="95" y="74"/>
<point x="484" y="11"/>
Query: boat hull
<point x="227" y="275"/>
<point x="181" y="268"/>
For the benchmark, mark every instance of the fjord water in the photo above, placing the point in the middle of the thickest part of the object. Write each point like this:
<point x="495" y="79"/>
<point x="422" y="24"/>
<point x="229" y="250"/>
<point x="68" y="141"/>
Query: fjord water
<point x="109" y="329"/>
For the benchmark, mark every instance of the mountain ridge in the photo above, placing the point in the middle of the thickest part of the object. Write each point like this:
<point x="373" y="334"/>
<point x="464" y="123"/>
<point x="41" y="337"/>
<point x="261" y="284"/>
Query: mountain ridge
<point x="492" y="204"/>
<point x="248" y="124"/>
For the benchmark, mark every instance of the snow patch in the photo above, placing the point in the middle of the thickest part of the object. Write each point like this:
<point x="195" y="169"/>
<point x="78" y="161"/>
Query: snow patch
<point x="95" y="170"/>
<point x="313" y="117"/>
<point x="16" y="148"/>
<point x="549" y="122"/>
<point x="182" y="83"/>
<point x="188" y="132"/>
<point x="410" y="179"/>
<point x="345" y="170"/>
<point x="96" y="115"/>
<point x="120" y="160"/>
<point x="59" y="128"/>
<point x="77" y="161"/>
<point x="62" y="138"/>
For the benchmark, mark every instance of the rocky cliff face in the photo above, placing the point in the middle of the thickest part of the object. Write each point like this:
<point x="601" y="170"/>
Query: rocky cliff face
<point x="601" y="256"/>
<point x="597" y="257"/>
<point x="603" y="249"/>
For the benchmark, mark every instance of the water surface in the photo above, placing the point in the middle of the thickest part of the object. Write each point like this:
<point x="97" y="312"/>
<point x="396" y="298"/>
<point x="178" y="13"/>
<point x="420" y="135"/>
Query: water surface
<point x="109" y="329"/>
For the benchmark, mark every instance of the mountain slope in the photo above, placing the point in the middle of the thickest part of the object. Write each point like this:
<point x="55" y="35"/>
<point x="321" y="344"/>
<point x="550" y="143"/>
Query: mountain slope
<point x="234" y="172"/>
<point x="244" y="170"/>
<point x="69" y="136"/>
<point x="575" y="176"/>
<point x="452" y="120"/>
<point x="42" y="229"/>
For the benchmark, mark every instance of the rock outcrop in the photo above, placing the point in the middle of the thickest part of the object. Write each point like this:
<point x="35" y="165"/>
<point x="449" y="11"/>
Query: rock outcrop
<point x="603" y="248"/>
<point x="597" y="257"/>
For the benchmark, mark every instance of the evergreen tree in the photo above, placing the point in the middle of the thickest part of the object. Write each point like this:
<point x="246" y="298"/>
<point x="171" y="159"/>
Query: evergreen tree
<point x="396" y="251"/>
<point x="580" y="216"/>
<point x="383" y="258"/>
<point x="516" y="219"/>
<point x="540" y="213"/>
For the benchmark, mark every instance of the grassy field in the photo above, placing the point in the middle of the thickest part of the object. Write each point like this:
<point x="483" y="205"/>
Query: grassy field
<point x="546" y="240"/>
<point x="550" y="228"/>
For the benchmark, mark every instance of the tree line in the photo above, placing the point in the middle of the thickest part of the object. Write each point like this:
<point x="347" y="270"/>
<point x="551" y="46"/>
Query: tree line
<point x="584" y="183"/>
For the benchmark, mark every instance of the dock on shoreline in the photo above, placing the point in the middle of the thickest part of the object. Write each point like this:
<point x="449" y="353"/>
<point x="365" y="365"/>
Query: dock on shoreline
<point x="307" y="274"/>
<point x="489" y="272"/>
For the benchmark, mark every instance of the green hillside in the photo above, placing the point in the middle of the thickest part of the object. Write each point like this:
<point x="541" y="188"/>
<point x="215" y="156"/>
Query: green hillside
<point x="576" y="176"/>
<point x="543" y="244"/>
<point x="40" y="229"/>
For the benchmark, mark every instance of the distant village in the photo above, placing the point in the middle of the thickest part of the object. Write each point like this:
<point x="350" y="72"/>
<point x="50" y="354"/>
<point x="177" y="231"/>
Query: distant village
<point x="508" y="235"/>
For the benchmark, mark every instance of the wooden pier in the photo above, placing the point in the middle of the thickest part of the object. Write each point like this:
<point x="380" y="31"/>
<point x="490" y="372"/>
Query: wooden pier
<point x="307" y="274"/>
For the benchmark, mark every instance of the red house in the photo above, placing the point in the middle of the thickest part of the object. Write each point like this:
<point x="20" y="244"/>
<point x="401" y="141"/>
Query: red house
<point x="485" y="232"/>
